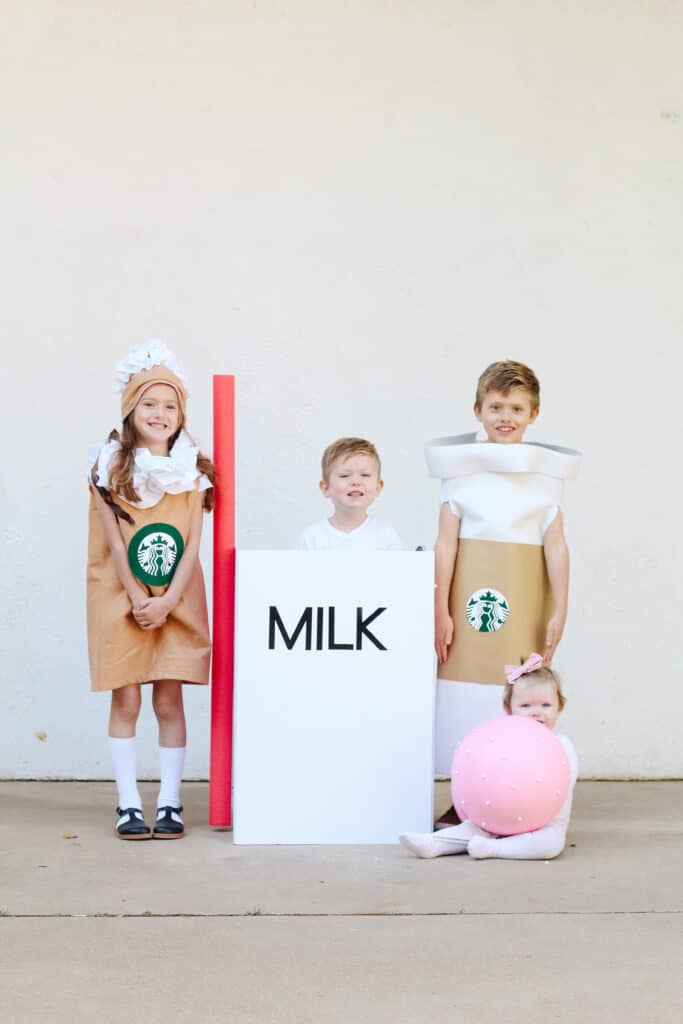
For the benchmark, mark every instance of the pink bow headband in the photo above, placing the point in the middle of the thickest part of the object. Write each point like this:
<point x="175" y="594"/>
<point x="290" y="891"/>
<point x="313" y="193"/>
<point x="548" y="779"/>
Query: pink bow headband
<point x="515" y="672"/>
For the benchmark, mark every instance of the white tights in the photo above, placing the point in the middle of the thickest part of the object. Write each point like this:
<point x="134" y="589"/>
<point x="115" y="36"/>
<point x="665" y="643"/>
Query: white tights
<point x="543" y="844"/>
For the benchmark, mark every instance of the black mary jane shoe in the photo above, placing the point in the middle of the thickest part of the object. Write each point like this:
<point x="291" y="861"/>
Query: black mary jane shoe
<point x="131" y="824"/>
<point x="169" y="824"/>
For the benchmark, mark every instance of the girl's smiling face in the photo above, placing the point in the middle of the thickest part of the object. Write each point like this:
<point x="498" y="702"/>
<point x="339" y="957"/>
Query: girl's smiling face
<point x="156" y="418"/>
<point x="537" y="700"/>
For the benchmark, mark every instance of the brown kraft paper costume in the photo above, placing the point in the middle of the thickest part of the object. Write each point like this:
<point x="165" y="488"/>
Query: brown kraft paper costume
<point x="120" y="652"/>
<point x="505" y="496"/>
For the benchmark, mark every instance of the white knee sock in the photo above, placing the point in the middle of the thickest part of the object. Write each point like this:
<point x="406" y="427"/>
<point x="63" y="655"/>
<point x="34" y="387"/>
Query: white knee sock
<point x="123" y="759"/>
<point x="171" y="764"/>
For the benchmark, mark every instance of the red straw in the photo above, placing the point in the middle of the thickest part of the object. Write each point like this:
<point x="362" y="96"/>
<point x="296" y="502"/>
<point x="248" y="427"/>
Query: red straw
<point x="220" y="776"/>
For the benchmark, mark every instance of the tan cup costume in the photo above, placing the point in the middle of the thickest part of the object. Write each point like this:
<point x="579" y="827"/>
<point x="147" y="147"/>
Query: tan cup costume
<point x="505" y="496"/>
<point x="120" y="651"/>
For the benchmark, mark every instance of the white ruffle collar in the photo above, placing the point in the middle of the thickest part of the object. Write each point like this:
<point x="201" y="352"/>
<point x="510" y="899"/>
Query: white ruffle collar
<point x="154" y="475"/>
<point x="464" y="454"/>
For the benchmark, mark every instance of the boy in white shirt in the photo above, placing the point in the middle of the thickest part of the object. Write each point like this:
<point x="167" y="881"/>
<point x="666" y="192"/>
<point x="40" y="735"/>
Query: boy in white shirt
<point x="351" y="479"/>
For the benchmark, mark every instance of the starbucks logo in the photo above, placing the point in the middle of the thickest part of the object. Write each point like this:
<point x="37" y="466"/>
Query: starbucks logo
<point x="487" y="610"/>
<point x="154" y="552"/>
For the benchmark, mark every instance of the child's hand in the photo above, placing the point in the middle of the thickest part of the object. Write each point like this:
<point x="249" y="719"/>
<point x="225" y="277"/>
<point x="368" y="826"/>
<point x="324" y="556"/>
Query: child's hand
<point x="443" y="635"/>
<point x="151" y="613"/>
<point x="553" y="635"/>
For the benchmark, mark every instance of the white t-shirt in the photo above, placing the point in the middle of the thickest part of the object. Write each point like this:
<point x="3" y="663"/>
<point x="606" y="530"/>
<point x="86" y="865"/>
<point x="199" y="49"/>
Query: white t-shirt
<point x="372" y="535"/>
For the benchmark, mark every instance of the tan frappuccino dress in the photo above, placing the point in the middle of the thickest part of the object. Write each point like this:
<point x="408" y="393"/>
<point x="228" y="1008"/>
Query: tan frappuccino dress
<point x="120" y="652"/>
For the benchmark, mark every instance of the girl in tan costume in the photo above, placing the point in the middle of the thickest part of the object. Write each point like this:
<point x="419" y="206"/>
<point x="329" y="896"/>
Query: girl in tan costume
<point x="147" y="616"/>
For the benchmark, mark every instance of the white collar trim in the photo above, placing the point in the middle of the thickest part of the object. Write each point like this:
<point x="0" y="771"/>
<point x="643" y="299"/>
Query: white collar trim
<point x="154" y="475"/>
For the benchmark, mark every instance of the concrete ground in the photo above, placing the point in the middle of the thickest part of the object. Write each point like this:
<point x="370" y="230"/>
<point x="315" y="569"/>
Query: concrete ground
<point x="199" y="930"/>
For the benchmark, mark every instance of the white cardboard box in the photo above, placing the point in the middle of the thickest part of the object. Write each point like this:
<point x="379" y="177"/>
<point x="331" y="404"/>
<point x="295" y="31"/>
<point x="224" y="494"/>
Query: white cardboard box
<point x="334" y="696"/>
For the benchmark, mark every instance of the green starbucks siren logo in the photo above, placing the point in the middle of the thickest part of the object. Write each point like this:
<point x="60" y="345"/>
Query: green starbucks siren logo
<point x="487" y="610"/>
<point x="154" y="552"/>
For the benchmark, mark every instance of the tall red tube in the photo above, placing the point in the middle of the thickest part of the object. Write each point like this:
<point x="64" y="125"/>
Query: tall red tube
<point x="220" y="775"/>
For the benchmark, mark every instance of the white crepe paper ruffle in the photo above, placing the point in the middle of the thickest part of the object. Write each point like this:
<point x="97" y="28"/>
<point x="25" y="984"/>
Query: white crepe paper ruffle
<point x="154" y="352"/>
<point x="154" y="475"/>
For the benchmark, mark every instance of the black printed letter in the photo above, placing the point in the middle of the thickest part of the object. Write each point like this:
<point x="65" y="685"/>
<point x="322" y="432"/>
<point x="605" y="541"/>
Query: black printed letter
<point x="362" y="628"/>
<point x="274" y="620"/>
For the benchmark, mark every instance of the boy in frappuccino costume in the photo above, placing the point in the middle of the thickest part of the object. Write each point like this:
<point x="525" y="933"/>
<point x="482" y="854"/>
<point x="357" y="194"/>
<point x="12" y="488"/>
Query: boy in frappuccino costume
<point x="502" y="565"/>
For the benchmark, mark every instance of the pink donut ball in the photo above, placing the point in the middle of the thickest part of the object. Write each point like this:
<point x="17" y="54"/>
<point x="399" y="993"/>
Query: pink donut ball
<point x="510" y="775"/>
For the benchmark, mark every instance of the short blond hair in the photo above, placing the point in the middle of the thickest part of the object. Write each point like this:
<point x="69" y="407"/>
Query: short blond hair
<point x="541" y="675"/>
<point x="505" y="376"/>
<point x="344" y="448"/>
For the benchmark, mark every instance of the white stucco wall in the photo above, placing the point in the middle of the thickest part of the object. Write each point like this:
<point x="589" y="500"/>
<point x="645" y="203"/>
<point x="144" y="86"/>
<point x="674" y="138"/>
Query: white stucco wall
<point x="354" y="207"/>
